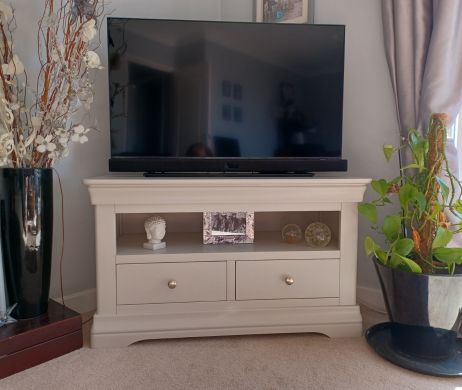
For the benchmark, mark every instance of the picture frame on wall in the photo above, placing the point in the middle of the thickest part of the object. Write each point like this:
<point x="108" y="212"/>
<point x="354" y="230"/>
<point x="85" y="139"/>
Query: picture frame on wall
<point x="228" y="227"/>
<point x="284" y="11"/>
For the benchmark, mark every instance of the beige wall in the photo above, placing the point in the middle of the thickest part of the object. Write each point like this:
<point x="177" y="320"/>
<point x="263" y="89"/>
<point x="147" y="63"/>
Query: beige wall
<point x="369" y="116"/>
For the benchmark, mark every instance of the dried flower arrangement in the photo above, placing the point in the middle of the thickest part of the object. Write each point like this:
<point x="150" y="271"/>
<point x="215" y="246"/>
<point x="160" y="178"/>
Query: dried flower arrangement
<point x="35" y="124"/>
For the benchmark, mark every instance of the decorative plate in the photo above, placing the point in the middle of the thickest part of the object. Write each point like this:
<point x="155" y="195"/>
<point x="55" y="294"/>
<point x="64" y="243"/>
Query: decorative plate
<point x="318" y="235"/>
<point x="291" y="233"/>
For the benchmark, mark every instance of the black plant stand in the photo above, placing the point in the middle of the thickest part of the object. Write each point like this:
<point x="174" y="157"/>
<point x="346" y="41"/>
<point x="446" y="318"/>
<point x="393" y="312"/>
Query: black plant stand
<point x="380" y="339"/>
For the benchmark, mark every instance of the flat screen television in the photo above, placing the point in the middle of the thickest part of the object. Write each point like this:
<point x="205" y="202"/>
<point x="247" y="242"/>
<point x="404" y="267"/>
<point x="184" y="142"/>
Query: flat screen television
<point x="200" y="96"/>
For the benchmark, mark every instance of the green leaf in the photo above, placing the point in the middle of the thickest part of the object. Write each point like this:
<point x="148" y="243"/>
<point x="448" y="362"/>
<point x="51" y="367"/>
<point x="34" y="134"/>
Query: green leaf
<point x="398" y="261"/>
<point x="407" y="193"/>
<point x="387" y="200"/>
<point x="380" y="186"/>
<point x="448" y="255"/>
<point x="370" y="246"/>
<point x="403" y="246"/>
<point x="369" y="211"/>
<point x="444" y="188"/>
<point x="392" y="227"/>
<point x="419" y="147"/>
<point x="436" y="210"/>
<point x="395" y="260"/>
<point x="421" y="202"/>
<point x="414" y="137"/>
<point x="412" y="265"/>
<point x="388" y="151"/>
<point x="381" y="255"/>
<point x="458" y="206"/>
<point x="442" y="238"/>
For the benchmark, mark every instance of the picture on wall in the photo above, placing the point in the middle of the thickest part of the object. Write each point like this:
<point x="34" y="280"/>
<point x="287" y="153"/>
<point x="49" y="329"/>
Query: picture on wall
<point x="226" y="88"/>
<point x="237" y="114"/>
<point x="237" y="91"/>
<point x="284" y="11"/>
<point x="226" y="112"/>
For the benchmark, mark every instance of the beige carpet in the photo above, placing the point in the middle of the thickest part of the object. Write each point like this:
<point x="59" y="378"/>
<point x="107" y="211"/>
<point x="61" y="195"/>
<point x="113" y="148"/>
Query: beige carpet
<point x="251" y="362"/>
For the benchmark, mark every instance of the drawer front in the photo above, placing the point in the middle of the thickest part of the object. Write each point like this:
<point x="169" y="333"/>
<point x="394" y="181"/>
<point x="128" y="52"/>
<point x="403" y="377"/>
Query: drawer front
<point x="284" y="279"/>
<point x="172" y="282"/>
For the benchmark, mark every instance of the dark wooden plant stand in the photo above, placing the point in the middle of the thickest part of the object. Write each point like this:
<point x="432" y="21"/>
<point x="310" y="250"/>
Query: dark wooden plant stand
<point x="30" y="342"/>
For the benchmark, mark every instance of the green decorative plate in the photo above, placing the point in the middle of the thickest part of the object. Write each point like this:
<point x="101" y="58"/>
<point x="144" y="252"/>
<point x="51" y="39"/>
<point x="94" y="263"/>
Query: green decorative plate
<point x="318" y="235"/>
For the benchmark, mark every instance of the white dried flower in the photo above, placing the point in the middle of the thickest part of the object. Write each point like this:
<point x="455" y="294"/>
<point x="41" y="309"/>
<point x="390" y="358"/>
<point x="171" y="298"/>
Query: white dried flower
<point x="60" y="131"/>
<point x="79" y="134"/>
<point x="57" y="154"/>
<point x="6" y="13"/>
<point x="31" y="138"/>
<point x="63" y="136"/>
<point x="14" y="67"/>
<point x="44" y="144"/>
<point x="6" y="115"/>
<point x="5" y="161"/>
<point x="36" y="122"/>
<point x="93" y="61"/>
<point x="21" y="149"/>
<point x="6" y="144"/>
<point x="14" y="106"/>
<point x="89" y="30"/>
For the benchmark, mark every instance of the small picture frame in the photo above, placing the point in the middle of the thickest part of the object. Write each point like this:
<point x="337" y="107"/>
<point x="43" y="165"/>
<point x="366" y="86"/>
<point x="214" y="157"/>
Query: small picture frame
<point x="226" y="112"/>
<point x="237" y="114"/>
<point x="237" y="91"/>
<point x="284" y="11"/>
<point x="228" y="227"/>
<point x="226" y="88"/>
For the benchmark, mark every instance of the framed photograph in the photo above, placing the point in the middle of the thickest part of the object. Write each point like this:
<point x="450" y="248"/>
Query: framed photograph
<point x="226" y="88"/>
<point x="226" y="112"/>
<point x="237" y="91"/>
<point x="228" y="227"/>
<point x="284" y="11"/>
<point x="237" y="114"/>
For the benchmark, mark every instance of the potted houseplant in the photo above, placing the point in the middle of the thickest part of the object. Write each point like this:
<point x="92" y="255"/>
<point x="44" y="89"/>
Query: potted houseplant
<point x="418" y="265"/>
<point x="35" y="132"/>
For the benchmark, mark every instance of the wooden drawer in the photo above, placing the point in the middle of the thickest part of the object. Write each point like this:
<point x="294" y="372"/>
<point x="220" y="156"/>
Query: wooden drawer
<point x="267" y="279"/>
<point x="149" y="283"/>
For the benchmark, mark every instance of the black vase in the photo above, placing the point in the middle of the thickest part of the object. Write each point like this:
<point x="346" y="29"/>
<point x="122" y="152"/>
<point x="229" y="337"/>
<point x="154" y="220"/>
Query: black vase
<point x="26" y="212"/>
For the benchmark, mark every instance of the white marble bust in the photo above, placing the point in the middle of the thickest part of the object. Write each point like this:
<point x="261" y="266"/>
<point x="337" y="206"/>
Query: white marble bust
<point x="155" y="228"/>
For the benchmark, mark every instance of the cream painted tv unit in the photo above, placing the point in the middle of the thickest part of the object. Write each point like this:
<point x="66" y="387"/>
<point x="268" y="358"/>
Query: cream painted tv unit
<point x="189" y="289"/>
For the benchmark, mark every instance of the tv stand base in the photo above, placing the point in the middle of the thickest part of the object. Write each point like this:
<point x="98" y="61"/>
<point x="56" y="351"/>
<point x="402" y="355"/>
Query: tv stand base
<point x="190" y="289"/>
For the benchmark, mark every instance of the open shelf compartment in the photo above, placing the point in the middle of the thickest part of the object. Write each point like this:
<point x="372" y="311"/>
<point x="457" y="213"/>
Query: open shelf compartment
<point x="185" y="243"/>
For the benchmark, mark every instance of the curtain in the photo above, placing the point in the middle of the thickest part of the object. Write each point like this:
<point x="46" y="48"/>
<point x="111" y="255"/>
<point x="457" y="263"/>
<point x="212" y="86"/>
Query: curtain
<point x="423" y="46"/>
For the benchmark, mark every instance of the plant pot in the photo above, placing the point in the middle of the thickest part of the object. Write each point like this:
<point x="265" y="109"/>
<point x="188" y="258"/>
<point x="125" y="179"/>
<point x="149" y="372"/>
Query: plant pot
<point x="426" y="311"/>
<point x="26" y="211"/>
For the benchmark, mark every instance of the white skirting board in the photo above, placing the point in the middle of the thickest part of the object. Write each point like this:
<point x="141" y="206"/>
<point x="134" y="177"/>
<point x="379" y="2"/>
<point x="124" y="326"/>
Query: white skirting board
<point x="85" y="301"/>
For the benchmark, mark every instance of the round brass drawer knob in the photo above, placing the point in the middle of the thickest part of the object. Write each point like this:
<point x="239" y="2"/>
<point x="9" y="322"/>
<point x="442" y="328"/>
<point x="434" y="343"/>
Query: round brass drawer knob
<point x="289" y="280"/>
<point x="171" y="284"/>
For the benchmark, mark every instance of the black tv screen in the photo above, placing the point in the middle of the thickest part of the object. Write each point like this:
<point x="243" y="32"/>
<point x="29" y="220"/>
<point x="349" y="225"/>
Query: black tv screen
<point x="222" y="96"/>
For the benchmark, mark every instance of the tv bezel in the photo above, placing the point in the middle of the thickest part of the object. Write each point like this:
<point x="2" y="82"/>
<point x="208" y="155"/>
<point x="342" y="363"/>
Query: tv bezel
<point x="276" y="165"/>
